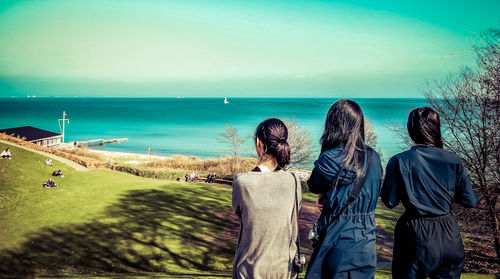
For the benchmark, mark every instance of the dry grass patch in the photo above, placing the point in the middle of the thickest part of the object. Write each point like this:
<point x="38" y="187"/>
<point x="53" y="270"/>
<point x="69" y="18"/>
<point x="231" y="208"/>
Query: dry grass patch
<point x="224" y="166"/>
<point x="85" y="152"/>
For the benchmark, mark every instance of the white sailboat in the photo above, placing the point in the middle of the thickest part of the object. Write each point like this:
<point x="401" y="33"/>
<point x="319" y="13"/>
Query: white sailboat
<point x="225" y="100"/>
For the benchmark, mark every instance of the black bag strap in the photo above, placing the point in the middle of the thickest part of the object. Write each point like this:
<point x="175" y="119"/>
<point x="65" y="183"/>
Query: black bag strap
<point x="355" y="192"/>
<point x="297" y="241"/>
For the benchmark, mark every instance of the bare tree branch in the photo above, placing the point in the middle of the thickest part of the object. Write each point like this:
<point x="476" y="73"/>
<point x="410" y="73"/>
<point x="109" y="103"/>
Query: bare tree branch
<point x="302" y="151"/>
<point x="231" y="137"/>
<point x="469" y="106"/>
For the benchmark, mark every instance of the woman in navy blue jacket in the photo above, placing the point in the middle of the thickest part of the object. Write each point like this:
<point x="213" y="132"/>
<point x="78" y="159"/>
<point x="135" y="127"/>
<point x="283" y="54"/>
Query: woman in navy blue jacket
<point x="346" y="247"/>
<point x="427" y="180"/>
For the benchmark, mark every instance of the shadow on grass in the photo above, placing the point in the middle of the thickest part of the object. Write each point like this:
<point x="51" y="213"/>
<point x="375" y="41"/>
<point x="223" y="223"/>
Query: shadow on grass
<point x="386" y="221"/>
<point x="480" y="255"/>
<point x="145" y="231"/>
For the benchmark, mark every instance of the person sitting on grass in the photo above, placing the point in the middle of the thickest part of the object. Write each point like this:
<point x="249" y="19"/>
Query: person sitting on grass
<point x="48" y="162"/>
<point x="209" y="176"/>
<point x="6" y="154"/>
<point x="50" y="183"/>
<point x="57" y="173"/>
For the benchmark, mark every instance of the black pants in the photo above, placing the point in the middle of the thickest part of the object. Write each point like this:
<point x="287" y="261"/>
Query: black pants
<point x="426" y="247"/>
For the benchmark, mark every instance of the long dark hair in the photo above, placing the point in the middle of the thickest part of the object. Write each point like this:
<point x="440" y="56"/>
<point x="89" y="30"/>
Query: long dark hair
<point x="424" y="127"/>
<point x="344" y="124"/>
<point x="274" y="134"/>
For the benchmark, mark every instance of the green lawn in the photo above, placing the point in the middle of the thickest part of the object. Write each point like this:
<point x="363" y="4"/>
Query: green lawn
<point x="106" y="223"/>
<point x="309" y="197"/>
<point x="101" y="221"/>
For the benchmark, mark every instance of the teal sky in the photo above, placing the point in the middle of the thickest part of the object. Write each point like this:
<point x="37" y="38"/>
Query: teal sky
<point x="207" y="48"/>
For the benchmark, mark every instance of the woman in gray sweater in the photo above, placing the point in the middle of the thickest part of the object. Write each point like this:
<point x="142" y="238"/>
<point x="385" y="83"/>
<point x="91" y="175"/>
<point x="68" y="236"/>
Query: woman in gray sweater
<point x="264" y="201"/>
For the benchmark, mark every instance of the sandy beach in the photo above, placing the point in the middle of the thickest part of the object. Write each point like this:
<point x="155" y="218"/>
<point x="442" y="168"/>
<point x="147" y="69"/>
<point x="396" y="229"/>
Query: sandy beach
<point x="128" y="157"/>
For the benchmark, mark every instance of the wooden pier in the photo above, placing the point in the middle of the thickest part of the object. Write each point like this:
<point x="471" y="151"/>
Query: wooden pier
<point x="100" y="141"/>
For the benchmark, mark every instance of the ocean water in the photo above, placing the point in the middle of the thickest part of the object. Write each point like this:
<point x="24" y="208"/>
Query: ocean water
<point x="190" y="126"/>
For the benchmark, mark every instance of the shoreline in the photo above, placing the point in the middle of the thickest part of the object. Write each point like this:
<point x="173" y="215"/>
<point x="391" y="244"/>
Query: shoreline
<point x="129" y="157"/>
<point x="138" y="158"/>
<point x="122" y="154"/>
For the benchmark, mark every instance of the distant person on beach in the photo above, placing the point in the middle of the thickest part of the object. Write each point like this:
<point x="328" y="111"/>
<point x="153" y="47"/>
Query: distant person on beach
<point x="344" y="235"/>
<point x="265" y="202"/>
<point x="427" y="180"/>
<point x="6" y="154"/>
<point x="48" y="162"/>
<point x="149" y="151"/>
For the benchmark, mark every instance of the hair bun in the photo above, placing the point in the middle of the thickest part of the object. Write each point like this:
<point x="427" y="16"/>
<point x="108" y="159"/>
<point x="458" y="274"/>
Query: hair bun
<point x="273" y="134"/>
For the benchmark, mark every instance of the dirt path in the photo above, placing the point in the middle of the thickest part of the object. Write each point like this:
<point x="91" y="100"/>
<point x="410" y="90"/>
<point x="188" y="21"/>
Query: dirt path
<point x="309" y="214"/>
<point x="70" y="163"/>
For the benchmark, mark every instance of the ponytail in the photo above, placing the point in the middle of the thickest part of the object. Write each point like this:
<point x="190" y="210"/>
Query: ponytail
<point x="283" y="154"/>
<point x="274" y="134"/>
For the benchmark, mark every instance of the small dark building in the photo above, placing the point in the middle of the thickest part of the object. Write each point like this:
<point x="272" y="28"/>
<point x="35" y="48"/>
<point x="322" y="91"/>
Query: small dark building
<point x="35" y="135"/>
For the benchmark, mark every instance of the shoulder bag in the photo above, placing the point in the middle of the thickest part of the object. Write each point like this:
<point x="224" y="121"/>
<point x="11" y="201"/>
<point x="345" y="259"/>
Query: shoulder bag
<point x="299" y="260"/>
<point x="314" y="235"/>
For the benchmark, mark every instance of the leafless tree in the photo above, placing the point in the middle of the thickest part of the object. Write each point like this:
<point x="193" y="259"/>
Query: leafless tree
<point x="371" y="137"/>
<point x="301" y="148"/>
<point x="231" y="137"/>
<point x="401" y="133"/>
<point x="469" y="104"/>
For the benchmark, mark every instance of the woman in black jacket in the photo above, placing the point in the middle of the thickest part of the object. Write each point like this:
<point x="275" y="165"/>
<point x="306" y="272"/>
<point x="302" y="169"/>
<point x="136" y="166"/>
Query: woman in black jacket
<point x="427" y="180"/>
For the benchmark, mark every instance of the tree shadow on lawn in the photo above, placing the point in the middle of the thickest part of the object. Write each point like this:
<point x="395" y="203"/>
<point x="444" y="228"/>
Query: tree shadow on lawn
<point x="385" y="221"/>
<point x="146" y="230"/>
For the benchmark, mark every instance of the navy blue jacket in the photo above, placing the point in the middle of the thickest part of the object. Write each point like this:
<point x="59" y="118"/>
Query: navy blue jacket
<point x="349" y="242"/>
<point x="427" y="180"/>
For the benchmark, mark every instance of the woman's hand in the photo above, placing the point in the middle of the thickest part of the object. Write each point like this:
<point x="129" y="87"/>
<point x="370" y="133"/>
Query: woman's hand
<point x="318" y="205"/>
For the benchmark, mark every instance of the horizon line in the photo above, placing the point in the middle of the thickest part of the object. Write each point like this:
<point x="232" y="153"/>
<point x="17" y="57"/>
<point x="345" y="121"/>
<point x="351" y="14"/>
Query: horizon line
<point x="193" y="97"/>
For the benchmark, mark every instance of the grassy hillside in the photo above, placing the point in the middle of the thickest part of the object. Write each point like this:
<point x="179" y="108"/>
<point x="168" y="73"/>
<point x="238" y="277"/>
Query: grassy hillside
<point x="104" y="222"/>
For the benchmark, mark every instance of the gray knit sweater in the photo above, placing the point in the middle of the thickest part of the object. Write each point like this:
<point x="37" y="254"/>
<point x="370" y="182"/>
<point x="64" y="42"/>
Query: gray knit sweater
<point x="265" y="205"/>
